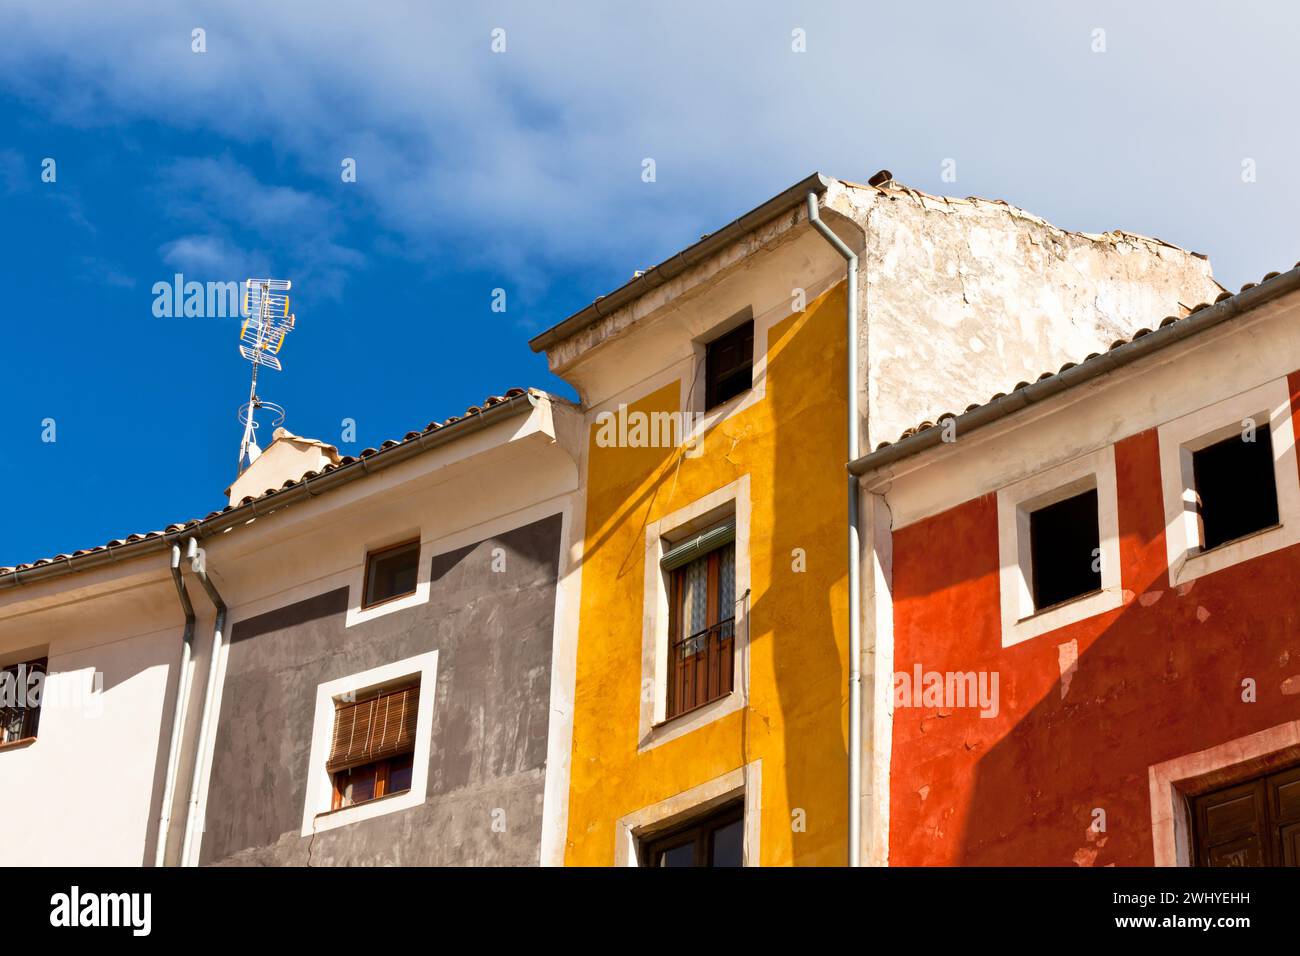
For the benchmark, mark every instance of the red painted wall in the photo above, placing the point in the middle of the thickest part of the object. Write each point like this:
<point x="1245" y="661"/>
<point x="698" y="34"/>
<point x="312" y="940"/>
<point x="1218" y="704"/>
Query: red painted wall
<point x="1156" y="679"/>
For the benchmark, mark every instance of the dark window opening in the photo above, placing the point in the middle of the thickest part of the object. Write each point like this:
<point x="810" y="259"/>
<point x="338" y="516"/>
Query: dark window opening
<point x="391" y="573"/>
<point x="1236" y="490"/>
<point x="717" y="839"/>
<point x="1256" y="823"/>
<point x="21" y="688"/>
<point x="729" y="365"/>
<point x="371" y="751"/>
<point x="1064" y="548"/>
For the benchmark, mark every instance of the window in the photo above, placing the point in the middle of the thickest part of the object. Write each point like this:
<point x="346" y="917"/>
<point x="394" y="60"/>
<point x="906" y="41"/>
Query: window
<point x="391" y="573"/>
<point x="372" y="745"/>
<point x="371" y="739"/>
<point x="1256" y="823"/>
<point x="1065" y="543"/>
<point x="729" y="365"/>
<point x="705" y="679"/>
<point x="21" y="687"/>
<point x="714" y="823"/>
<point x="702" y="622"/>
<point x="1229" y="498"/>
<point x="1236" y="494"/>
<point x="715" y="840"/>
<point x="1058" y="547"/>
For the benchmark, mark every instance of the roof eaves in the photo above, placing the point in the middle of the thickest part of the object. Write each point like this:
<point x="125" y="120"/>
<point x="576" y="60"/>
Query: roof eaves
<point x="310" y="485"/>
<point x="678" y="263"/>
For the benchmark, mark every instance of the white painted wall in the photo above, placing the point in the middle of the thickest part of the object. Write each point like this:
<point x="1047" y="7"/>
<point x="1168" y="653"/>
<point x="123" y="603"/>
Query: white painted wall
<point x="963" y="298"/>
<point x="85" y="793"/>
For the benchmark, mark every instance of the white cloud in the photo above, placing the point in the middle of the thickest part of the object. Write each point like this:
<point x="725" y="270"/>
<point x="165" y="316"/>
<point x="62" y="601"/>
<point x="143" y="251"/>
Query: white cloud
<point x="531" y="158"/>
<point x="208" y="258"/>
<point x="216" y="200"/>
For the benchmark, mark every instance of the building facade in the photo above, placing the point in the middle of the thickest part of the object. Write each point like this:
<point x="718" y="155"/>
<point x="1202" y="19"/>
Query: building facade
<point x="712" y="707"/>
<point x="371" y="664"/>
<point x="1088" y="596"/>
<point x="664" y="626"/>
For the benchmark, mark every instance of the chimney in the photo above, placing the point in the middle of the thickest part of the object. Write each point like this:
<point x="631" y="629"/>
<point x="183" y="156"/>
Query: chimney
<point x="287" y="458"/>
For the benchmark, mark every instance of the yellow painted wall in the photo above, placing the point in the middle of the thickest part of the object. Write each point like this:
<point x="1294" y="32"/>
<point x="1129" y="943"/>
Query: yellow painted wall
<point x="792" y="445"/>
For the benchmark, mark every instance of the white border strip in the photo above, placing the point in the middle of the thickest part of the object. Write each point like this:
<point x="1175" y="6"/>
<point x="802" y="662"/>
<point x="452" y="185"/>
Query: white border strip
<point x="747" y="780"/>
<point x="1170" y="826"/>
<point x="1015" y="502"/>
<point x="1182" y="436"/>
<point x="316" y="815"/>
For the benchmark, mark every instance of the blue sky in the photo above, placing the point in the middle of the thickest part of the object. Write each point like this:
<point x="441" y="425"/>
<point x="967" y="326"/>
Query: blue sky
<point x="521" y="170"/>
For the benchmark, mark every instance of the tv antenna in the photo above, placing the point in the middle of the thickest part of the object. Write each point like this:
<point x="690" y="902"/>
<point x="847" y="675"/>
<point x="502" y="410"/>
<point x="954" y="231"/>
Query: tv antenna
<point x="266" y="322"/>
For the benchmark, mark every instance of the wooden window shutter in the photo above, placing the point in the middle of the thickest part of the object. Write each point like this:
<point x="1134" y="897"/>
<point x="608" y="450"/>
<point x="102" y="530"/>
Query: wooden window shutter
<point x="374" y="728"/>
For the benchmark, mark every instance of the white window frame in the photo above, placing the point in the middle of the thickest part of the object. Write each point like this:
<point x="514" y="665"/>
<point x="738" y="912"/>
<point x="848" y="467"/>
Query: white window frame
<point x="655" y="728"/>
<point x="643" y="824"/>
<point x="701" y="421"/>
<point x="357" y="614"/>
<point x="1183" y="436"/>
<point x="317" y="816"/>
<point x="1016" y="502"/>
<point x="1171" y="823"/>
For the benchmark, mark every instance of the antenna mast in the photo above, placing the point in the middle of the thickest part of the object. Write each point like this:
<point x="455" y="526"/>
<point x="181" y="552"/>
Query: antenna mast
<point x="267" y="321"/>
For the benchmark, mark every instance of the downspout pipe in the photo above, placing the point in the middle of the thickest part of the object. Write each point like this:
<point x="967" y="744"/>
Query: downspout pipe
<point x="178" y="718"/>
<point x="855" y="570"/>
<point x="193" y="823"/>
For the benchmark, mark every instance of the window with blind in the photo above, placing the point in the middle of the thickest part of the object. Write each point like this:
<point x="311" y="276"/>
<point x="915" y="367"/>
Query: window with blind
<point x="701" y="630"/>
<point x="373" y="744"/>
<point x="21" y="687"/>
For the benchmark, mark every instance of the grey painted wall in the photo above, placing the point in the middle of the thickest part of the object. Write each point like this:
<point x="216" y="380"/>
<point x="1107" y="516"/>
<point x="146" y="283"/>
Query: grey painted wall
<point x="493" y="633"/>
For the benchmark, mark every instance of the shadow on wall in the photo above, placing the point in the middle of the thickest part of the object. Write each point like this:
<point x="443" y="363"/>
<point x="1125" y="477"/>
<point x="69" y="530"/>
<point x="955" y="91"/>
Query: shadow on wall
<point x="802" y="617"/>
<point x="798" y="614"/>
<point x="1060" y="776"/>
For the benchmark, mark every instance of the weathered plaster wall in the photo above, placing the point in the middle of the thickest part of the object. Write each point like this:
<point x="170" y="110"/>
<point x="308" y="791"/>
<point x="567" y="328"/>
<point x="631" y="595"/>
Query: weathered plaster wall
<point x="493" y="632"/>
<point x="1157" y="679"/>
<point x="965" y="297"/>
<point x="791" y="444"/>
<point x="962" y="298"/>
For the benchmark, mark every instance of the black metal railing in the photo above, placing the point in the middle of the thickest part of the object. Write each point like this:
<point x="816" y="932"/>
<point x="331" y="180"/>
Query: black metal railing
<point x="702" y="667"/>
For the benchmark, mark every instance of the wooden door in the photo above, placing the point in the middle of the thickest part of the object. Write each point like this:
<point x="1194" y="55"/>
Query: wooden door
<point x="1256" y="823"/>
